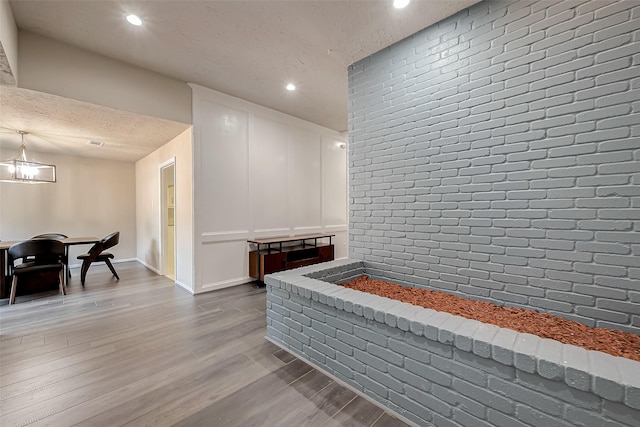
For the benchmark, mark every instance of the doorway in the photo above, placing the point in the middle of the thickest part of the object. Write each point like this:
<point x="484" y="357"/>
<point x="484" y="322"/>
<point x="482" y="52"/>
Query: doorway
<point x="168" y="219"/>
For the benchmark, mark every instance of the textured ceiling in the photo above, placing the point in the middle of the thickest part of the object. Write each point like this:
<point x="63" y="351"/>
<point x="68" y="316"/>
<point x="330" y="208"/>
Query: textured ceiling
<point x="65" y="126"/>
<point x="248" y="49"/>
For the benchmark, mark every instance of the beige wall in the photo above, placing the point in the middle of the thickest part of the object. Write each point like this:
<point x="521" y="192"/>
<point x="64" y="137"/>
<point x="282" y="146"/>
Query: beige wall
<point x="148" y="208"/>
<point x="93" y="197"/>
<point x="60" y="69"/>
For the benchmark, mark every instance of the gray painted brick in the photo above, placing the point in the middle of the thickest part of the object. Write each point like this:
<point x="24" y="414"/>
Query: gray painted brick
<point x="606" y="378"/>
<point x="469" y="420"/>
<point x="407" y="350"/>
<point x="457" y="400"/>
<point x="371" y="385"/>
<point x="620" y="413"/>
<point x="549" y="359"/>
<point x="531" y="398"/>
<point x="465" y="371"/>
<point x="369" y="360"/>
<point x="577" y="372"/>
<point x="351" y="362"/>
<point x="352" y="340"/>
<point x="339" y="368"/>
<point x="463" y="335"/>
<point x="524" y="352"/>
<point x="339" y="324"/>
<point x="429" y="373"/>
<point x="421" y="318"/>
<point x="419" y="410"/>
<point x="582" y="417"/>
<point x="536" y="418"/>
<point x="484" y="396"/>
<point x="631" y="378"/>
<point x="579" y="236"/>
<point x="385" y="354"/>
<point x="427" y="400"/>
<point x="430" y="346"/>
<point x="562" y="392"/>
<point x="385" y="379"/>
<point x="502" y="346"/>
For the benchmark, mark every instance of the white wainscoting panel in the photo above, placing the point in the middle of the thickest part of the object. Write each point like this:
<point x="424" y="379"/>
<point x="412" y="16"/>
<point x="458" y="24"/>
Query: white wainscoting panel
<point x="259" y="173"/>
<point x="341" y="244"/>
<point x="305" y="178"/>
<point x="269" y="178"/>
<point x="224" y="262"/>
<point x="224" y="186"/>
<point x="334" y="182"/>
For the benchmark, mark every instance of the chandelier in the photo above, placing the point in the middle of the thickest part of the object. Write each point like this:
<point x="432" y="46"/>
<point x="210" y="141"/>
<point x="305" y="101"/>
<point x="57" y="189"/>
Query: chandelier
<point x="19" y="169"/>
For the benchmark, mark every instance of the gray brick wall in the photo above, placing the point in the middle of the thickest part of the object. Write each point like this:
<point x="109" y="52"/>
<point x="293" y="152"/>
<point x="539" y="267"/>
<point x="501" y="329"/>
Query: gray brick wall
<point x="433" y="368"/>
<point x="496" y="155"/>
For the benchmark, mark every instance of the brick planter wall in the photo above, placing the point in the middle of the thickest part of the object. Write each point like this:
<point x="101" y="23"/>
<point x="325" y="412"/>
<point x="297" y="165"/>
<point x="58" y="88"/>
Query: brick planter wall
<point x="435" y="368"/>
<point x="496" y="154"/>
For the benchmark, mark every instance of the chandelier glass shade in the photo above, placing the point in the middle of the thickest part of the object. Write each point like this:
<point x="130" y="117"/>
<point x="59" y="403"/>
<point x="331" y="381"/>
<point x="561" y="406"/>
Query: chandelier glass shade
<point x="20" y="169"/>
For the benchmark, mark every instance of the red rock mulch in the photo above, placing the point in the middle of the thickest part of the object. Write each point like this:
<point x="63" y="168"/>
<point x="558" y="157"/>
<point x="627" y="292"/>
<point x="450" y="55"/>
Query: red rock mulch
<point x="617" y="343"/>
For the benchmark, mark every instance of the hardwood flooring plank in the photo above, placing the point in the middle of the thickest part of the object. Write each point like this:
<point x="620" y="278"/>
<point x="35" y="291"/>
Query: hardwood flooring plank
<point x="141" y="351"/>
<point x="28" y="350"/>
<point x="63" y="360"/>
<point x="284" y="355"/>
<point x="224" y="383"/>
<point x="108" y="361"/>
<point x="166" y="399"/>
<point x="322" y="407"/>
<point x="359" y="412"/>
<point x="256" y="399"/>
<point x="74" y="390"/>
<point x="311" y="383"/>
<point x="387" y="420"/>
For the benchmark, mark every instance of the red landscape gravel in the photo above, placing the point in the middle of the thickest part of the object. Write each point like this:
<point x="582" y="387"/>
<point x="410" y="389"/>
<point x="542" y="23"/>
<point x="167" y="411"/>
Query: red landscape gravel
<point x="617" y="343"/>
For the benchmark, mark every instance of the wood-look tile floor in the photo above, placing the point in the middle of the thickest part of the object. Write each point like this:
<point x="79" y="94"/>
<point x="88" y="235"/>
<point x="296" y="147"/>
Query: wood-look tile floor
<point x="141" y="351"/>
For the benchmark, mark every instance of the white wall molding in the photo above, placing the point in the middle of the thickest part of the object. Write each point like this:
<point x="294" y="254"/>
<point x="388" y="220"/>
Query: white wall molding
<point x="214" y="96"/>
<point x="310" y="229"/>
<point x="150" y="267"/>
<point x="184" y="287"/>
<point x="224" y="236"/>
<point x="259" y="173"/>
<point x="273" y="232"/>
<point x="225" y="284"/>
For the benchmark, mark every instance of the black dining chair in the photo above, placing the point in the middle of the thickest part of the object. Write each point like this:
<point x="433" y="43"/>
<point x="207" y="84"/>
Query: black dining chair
<point x="43" y="255"/>
<point x="57" y="236"/>
<point x="97" y="253"/>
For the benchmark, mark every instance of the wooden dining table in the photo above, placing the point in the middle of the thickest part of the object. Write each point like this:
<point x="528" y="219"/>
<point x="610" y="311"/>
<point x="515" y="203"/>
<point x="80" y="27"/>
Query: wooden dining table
<point x="4" y="264"/>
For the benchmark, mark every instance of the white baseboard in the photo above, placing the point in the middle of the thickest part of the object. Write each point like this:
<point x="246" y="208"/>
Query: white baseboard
<point x="115" y="261"/>
<point x="155" y="270"/>
<point x="224" y="284"/>
<point x="184" y="287"/>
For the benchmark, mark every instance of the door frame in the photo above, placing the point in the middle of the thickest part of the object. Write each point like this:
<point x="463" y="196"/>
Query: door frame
<point x="163" y="220"/>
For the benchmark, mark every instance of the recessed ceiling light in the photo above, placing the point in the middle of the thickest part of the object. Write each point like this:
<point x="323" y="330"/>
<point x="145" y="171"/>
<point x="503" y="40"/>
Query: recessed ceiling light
<point x="134" y="20"/>
<point x="291" y="86"/>
<point x="98" y="143"/>
<point x="400" y="4"/>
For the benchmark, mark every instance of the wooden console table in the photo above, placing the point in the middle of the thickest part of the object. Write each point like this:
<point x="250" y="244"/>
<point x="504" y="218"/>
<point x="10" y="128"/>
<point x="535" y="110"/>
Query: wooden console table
<point x="273" y="255"/>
